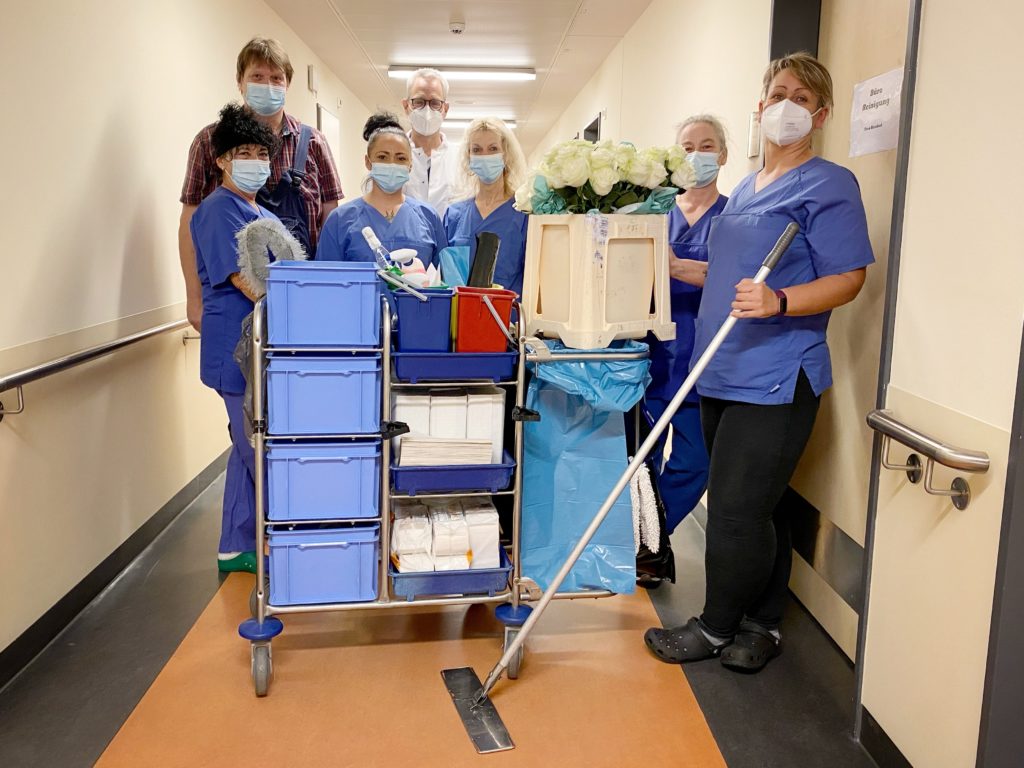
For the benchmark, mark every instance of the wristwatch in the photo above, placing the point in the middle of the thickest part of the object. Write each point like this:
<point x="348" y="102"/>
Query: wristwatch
<point x="783" y="302"/>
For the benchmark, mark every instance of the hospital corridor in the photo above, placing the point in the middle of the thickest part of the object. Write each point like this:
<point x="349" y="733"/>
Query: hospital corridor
<point x="458" y="383"/>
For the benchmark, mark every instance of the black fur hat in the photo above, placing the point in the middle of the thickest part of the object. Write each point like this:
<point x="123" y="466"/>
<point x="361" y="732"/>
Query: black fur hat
<point x="237" y="126"/>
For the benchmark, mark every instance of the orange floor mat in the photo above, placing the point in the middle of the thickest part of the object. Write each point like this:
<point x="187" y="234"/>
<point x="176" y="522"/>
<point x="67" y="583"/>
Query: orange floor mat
<point x="364" y="690"/>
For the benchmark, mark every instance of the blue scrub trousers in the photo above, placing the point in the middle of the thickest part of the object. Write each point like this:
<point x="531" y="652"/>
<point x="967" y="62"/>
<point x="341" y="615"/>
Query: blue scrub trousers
<point x="238" y="524"/>
<point x="684" y="476"/>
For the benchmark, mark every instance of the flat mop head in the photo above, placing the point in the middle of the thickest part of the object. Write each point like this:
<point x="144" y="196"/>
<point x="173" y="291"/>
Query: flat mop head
<point x="480" y="719"/>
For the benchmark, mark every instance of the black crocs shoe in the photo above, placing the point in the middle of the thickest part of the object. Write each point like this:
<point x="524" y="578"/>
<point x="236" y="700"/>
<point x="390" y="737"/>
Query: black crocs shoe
<point x="679" y="645"/>
<point x="752" y="648"/>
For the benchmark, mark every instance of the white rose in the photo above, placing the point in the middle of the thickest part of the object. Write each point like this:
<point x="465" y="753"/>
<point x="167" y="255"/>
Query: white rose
<point x="553" y="174"/>
<point x="603" y="173"/>
<point x="624" y="155"/>
<point x="638" y="170"/>
<point x="674" y="157"/>
<point x="684" y="177"/>
<point x="654" y="161"/>
<point x="524" y="195"/>
<point x="576" y="170"/>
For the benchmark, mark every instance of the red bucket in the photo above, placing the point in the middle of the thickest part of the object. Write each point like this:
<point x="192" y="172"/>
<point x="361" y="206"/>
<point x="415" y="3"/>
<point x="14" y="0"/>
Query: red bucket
<point x="476" y="330"/>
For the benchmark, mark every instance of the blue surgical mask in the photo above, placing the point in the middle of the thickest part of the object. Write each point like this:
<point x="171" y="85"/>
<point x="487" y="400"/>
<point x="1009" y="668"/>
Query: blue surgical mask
<point x="390" y="177"/>
<point x="264" y="99"/>
<point x="488" y="167"/>
<point x="250" y="175"/>
<point x="705" y="165"/>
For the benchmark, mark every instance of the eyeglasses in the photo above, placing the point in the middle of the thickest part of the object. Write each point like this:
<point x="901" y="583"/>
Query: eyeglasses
<point x="435" y="104"/>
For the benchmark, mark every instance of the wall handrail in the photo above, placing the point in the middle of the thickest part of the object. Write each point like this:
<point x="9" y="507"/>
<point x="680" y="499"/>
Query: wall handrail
<point x="19" y="379"/>
<point x="935" y="451"/>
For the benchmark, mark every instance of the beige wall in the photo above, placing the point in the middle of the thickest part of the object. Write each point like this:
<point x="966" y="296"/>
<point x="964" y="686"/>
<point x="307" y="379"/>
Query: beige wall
<point x="835" y="469"/>
<point x="660" y="73"/>
<point x="106" y="97"/>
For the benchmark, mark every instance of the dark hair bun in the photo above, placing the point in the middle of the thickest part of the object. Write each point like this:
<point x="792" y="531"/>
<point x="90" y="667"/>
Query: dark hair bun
<point x="378" y="121"/>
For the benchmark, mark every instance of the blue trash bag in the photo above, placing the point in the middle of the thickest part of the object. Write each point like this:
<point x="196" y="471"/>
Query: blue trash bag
<point x="454" y="261"/>
<point x="572" y="459"/>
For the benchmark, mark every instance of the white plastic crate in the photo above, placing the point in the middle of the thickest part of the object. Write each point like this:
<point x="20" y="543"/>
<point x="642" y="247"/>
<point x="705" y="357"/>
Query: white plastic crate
<point x="592" y="279"/>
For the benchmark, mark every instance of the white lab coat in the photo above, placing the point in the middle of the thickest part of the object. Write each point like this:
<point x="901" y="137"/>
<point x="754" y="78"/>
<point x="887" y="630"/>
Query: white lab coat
<point x="434" y="178"/>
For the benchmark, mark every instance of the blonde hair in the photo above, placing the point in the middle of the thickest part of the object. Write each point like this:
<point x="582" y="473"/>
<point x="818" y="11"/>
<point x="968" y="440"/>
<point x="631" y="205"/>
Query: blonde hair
<point x="808" y="70"/>
<point x="714" y="122"/>
<point x="515" y="160"/>
<point x="263" y="50"/>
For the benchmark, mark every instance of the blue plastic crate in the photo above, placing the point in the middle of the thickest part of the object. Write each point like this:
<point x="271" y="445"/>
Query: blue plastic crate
<point x="324" y="565"/>
<point x="323" y="481"/>
<point x="323" y="304"/>
<point x="424" y="326"/>
<point x="323" y="395"/>
<point x="450" y="478"/>
<point x="489" y="581"/>
<point x="454" y="366"/>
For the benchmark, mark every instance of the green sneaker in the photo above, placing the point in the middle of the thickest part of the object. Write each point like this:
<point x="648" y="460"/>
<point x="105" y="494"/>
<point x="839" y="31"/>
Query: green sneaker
<point x="244" y="562"/>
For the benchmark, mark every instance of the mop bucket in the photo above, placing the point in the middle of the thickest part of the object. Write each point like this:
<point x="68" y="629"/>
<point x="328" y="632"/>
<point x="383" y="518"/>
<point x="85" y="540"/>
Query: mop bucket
<point x="476" y="329"/>
<point x="423" y="326"/>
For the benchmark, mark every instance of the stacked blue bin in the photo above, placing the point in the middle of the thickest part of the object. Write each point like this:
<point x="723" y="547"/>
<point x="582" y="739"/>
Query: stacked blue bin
<point x="323" y="424"/>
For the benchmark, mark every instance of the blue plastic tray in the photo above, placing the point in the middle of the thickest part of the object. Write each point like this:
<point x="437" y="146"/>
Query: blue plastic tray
<point x="489" y="581"/>
<point x="454" y="366"/>
<point x="453" y="477"/>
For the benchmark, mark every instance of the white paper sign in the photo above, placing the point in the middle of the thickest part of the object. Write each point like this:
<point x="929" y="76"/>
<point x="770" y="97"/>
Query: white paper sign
<point x="875" y="118"/>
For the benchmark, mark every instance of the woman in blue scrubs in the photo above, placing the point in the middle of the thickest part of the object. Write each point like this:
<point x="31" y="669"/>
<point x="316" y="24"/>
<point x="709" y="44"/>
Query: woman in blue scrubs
<point x="760" y="393"/>
<point x="493" y="166"/>
<point x="397" y="220"/>
<point x="683" y="476"/>
<point x="243" y="147"/>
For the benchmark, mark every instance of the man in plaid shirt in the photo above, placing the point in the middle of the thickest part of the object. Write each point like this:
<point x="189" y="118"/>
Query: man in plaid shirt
<point x="263" y="74"/>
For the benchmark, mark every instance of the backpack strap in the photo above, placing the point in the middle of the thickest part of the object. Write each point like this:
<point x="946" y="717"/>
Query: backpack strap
<point x="302" y="152"/>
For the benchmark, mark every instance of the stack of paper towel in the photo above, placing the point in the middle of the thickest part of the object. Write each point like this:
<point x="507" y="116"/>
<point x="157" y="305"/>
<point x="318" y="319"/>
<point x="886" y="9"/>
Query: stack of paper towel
<point x="412" y="538"/>
<point x="450" y="427"/>
<point x="448" y="535"/>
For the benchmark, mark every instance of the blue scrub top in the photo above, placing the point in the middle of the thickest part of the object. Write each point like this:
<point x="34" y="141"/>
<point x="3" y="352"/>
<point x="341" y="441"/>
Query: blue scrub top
<point x="670" y="360"/>
<point x="462" y="223"/>
<point x="213" y="227"/>
<point x="761" y="358"/>
<point x="416" y="225"/>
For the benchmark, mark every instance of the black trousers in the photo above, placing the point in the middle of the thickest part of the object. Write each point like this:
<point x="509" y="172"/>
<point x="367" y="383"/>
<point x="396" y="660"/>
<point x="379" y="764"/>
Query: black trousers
<point x="754" y="451"/>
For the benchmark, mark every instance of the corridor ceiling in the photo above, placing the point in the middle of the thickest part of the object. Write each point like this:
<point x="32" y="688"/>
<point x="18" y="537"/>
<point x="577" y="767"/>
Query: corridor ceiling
<point x="566" y="41"/>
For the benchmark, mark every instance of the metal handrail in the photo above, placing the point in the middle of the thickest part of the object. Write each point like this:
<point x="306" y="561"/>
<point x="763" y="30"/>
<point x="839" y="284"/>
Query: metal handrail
<point x="935" y="451"/>
<point x="19" y="379"/>
<point x="886" y="424"/>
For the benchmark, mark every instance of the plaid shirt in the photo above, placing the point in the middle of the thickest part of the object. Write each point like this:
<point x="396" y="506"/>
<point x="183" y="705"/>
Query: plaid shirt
<point x="321" y="185"/>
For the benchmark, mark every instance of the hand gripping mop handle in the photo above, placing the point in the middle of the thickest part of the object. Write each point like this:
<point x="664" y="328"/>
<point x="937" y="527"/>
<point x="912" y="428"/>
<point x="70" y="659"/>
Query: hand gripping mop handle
<point x="641" y="455"/>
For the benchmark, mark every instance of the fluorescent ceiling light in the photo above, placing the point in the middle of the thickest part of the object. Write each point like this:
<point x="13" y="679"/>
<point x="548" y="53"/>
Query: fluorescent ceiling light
<point x="469" y="73"/>
<point x="465" y="123"/>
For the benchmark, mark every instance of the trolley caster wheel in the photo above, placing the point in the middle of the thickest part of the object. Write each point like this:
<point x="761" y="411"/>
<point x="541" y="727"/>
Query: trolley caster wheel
<point x="262" y="668"/>
<point x="517" y="660"/>
<point x="253" y="602"/>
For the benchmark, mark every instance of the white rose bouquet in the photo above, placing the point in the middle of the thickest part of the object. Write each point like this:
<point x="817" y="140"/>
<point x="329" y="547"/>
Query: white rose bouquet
<point x="579" y="176"/>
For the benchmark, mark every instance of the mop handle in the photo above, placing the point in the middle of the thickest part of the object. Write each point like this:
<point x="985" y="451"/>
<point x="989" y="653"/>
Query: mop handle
<point x="401" y="284"/>
<point x="641" y="455"/>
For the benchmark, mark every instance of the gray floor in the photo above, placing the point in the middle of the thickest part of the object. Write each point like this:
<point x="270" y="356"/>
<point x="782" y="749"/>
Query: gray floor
<point x="797" y="712"/>
<point x="67" y="705"/>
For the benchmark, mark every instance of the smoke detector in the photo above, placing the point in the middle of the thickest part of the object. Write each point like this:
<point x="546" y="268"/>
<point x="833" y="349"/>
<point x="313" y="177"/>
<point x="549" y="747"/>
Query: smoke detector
<point x="456" y="27"/>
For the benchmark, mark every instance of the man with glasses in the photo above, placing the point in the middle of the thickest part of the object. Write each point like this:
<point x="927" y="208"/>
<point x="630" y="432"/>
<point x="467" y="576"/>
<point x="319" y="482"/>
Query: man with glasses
<point x="433" y="178"/>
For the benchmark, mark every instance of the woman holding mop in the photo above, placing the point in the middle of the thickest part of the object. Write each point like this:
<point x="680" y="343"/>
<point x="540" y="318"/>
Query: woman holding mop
<point x="760" y="392"/>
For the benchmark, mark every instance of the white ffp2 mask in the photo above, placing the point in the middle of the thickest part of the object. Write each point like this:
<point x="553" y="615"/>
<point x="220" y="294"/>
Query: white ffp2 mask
<point x="786" y="122"/>
<point x="426" y="121"/>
